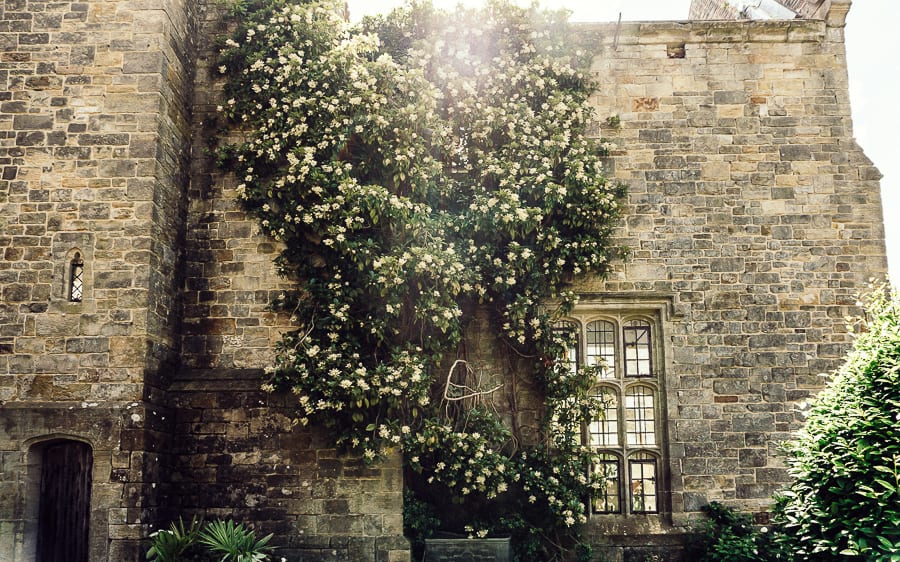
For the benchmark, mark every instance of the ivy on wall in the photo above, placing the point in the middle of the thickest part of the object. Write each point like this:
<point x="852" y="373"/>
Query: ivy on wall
<point x="416" y="167"/>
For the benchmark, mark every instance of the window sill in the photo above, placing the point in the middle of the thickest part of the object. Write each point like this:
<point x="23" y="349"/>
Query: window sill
<point x="630" y="524"/>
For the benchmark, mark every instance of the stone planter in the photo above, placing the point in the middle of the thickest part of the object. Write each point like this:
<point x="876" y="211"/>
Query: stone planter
<point x="467" y="550"/>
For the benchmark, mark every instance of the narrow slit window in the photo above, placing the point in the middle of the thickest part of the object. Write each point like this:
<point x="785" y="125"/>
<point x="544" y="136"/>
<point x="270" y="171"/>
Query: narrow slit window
<point x="640" y="425"/>
<point x="607" y="498"/>
<point x="601" y="347"/>
<point x="636" y="334"/>
<point x="642" y="468"/>
<point x="76" y="278"/>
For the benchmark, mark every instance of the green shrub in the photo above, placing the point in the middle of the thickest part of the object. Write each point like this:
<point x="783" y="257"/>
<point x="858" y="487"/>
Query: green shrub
<point x="729" y="536"/>
<point x="234" y="541"/>
<point x="222" y="541"/>
<point x="420" y="522"/>
<point x="844" y="503"/>
<point x="176" y="543"/>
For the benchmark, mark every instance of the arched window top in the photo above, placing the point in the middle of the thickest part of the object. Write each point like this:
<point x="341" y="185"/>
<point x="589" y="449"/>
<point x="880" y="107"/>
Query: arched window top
<point x="601" y="347"/>
<point x="642" y="469"/>
<point x="641" y="387"/>
<point x="643" y="455"/>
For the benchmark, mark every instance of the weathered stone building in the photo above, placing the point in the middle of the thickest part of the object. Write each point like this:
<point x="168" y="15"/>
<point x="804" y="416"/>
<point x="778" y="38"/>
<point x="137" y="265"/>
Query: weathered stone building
<point x="133" y="290"/>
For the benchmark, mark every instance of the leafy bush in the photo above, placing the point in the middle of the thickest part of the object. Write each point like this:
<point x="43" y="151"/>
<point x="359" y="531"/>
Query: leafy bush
<point x="844" y="503"/>
<point x="223" y="541"/>
<point x="729" y="536"/>
<point x="420" y="522"/>
<point x="234" y="541"/>
<point x="176" y="543"/>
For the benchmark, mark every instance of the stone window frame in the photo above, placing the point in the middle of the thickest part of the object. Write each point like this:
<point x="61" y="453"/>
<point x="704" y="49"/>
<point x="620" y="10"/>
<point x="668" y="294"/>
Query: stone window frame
<point x="75" y="277"/>
<point x="620" y="311"/>
<point x="65" y="246"/>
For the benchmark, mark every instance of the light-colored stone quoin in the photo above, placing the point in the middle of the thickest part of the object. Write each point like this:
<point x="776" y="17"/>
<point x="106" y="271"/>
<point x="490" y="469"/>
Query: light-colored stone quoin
<point x="752" y="219"/>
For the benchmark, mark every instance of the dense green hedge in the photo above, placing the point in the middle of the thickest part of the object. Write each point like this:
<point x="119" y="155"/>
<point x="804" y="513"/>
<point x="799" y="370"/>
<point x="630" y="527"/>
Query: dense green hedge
<point x="844" y="502"/>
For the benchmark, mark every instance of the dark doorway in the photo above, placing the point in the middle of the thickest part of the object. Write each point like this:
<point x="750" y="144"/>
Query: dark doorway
<point x="65" y="504"/>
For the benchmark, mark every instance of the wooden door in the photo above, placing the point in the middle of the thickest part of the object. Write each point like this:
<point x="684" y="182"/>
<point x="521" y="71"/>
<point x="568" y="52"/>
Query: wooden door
<point x="65" y="503"/>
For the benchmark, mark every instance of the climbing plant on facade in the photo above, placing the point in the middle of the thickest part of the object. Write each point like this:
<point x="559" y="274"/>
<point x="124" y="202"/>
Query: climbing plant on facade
<point x="417" y="167"/>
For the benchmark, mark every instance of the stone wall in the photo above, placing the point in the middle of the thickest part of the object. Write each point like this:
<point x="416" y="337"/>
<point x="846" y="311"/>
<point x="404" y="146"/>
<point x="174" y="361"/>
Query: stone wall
<point x="750" y="211"/>
<point x="753" y="209"/>
<point x="237" y="455"/>
<point x="230" y="276"/>
<point x="95" y="129"/>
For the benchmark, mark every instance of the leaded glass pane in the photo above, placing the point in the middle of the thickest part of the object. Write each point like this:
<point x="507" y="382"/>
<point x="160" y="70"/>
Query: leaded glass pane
<point x="601" y="347"/>
<point x="640" y="422"/>
<point x="642" y="467"/>
<point x="606" y="497"/>
<point x="76" y="281"/>
<point x="604" y="431"/>
<point x="636" y="336"/>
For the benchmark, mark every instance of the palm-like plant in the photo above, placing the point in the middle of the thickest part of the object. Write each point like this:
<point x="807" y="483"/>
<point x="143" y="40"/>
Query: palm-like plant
<point x="235" y="542"/>
<point x="170" y="545"/>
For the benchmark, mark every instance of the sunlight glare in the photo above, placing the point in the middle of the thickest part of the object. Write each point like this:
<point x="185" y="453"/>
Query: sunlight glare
<point x="582" y="10"/>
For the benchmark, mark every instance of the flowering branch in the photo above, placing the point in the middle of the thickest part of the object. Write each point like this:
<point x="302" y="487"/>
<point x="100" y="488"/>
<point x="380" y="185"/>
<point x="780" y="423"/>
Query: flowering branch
<point x="418" y="166"/>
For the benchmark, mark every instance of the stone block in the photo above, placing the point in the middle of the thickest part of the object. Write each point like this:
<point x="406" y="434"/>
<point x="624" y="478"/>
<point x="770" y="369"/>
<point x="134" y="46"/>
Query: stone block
<point x="753" y="457"/>
<point x="753" y="422"/>
<point x="115" y="139"/>
<point x="116" y="168"/>
<point x="655" y="135"/>
<point x="795" y="152"/>
<point x="143" y="62"/>
<point x="730" y="111"/>
<point x="126" y="351"/>
<point x="473" y="550"/>
<point x="34" y="38"/>
<point x="87" y="345"/>
<point x="730" y="97"/>
<point x="30" y="122"/>
<point x="727" y="265"/>
<point x="716" y="171"/>
<point x="31" y="138"/>
<point x="113" y="279"/>
<point x="132" y="103"/>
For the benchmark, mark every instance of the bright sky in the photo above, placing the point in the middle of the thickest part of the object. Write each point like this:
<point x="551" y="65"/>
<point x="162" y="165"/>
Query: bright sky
<point x="874" y="68"/>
